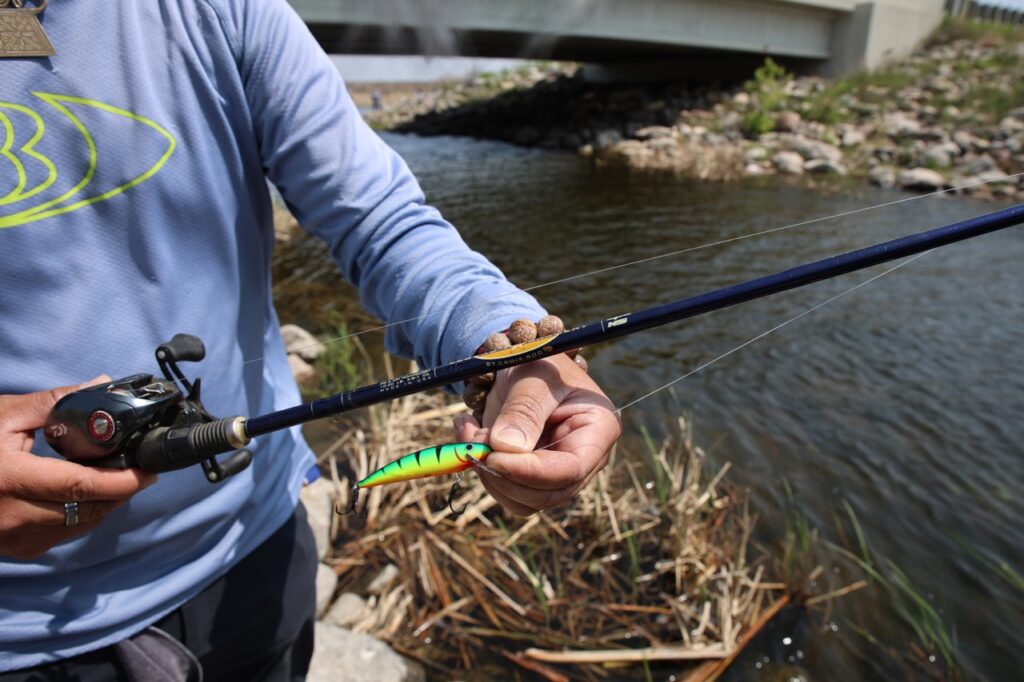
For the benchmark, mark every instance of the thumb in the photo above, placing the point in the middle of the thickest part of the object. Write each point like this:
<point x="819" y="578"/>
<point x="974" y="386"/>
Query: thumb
<point x="521" y="418"/>
<point x="29" y="411"/>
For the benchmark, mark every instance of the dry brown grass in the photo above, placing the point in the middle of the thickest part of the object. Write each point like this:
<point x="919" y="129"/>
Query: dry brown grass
<point x="649" y="563"/>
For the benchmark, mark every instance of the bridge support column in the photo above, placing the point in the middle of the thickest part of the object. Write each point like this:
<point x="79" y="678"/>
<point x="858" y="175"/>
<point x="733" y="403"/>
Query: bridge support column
<point x="879" y="31"/>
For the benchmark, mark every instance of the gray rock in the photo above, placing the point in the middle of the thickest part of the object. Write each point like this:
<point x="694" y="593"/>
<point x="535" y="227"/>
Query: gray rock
<point x="300" y="342"/>
<point x="815" y="149"/>
<point x="976" y="165"/>
<point x="343" y="655"/>
<point x="899" y="125"/>
<point x="1011" y="126"/>
<point x="326" y="581"/>
<point x="755" y="154"/>
<point x="663" y="144"/>
<point x="937" y="156"/>
<point x="753" y="169"/>
<point x="882" y="176"/>
<point x="731" y="121"/>
<point x="993" y="177"/>
<point x="346" y="611"/>
<point x="654" y="133"/>
<point x="788" y="163"/>
<point x="383" y="580"/>
<point x="921" y="179"/>
<point x="852" y="138"/>
<point x="318" y="499"/>
<point x="787" y="121"/>
<point x="824" y="166"/>
<point x="968" y="142"/>
<point x="607" y="138"/>
<point x="303" y="372"/>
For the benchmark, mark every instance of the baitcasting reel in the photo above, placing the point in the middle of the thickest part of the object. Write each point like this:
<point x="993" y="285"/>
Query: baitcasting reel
<point x="153" y="424"/>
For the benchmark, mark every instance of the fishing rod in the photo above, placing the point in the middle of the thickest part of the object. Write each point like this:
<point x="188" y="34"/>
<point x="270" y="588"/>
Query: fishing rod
<point x="161" y="424"/>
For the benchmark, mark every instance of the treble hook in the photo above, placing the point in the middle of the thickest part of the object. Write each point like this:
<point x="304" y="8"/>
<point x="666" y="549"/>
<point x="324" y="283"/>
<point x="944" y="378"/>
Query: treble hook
<point x="352" y="506"/>
<point x="451" y="496"/>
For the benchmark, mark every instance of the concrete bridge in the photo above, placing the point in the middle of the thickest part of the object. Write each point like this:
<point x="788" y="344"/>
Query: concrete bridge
<point x="827" y="36"/>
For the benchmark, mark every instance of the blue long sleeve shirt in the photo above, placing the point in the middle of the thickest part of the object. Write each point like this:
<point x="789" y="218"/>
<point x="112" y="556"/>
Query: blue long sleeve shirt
<point x="134" y="206"/>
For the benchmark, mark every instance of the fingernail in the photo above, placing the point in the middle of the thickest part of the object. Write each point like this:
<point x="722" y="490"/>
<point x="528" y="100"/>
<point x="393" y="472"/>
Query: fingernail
<point x="458" y="421"/>
<point x="513" y="435"/>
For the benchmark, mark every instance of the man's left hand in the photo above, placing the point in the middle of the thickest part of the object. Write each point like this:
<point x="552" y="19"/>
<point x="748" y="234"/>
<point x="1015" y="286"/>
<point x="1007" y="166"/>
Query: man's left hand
<point x="551" y="428"/>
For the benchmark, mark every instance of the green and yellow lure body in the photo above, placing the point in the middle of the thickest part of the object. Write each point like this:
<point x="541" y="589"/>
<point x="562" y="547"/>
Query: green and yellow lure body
<point x="452" y="458"/>
<point x="433" y="461"/>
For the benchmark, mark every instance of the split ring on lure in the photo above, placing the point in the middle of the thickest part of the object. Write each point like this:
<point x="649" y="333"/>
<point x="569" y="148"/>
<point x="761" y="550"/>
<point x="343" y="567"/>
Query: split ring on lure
<point x="452" y="458"/>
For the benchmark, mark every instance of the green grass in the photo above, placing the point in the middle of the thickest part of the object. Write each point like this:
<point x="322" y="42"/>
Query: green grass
<point x="903" y="597"/>
<point x="344" y="363"/>
<point x="953" y="29"/>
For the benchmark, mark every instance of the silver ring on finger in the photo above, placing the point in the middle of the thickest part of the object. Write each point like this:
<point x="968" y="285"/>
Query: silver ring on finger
<point x="70" y="514"/>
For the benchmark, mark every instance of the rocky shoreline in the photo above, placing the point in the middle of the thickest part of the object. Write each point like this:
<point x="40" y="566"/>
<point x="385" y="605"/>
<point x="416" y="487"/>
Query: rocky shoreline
<point x="949" y="117"/>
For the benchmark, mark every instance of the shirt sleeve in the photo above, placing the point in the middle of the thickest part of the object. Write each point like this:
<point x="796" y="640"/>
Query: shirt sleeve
<point x="346" y="186"/>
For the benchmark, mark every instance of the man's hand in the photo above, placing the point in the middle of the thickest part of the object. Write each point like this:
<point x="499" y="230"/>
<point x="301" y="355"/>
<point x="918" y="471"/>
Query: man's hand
<point x="550" y="427"/>
<point x="33" y="489"/>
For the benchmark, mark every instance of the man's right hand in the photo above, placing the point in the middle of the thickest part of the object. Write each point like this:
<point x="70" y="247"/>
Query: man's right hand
<point x="33" y="489"/>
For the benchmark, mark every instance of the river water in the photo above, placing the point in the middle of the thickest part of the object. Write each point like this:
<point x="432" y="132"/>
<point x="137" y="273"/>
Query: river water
<point x="902" y="399"/>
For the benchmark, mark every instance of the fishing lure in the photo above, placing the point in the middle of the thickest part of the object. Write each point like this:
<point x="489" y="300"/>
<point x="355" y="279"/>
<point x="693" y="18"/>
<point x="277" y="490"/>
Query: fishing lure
<point x="438" y="460"/>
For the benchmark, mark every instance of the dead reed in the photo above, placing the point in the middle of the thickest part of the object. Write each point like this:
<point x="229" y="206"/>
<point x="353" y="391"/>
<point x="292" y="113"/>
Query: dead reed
<point x="649" y="563"/>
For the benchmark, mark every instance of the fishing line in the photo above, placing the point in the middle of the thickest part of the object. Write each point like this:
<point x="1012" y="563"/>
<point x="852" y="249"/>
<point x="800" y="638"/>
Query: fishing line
<point x="668" y="254"/>
<point x="699" y="368"/>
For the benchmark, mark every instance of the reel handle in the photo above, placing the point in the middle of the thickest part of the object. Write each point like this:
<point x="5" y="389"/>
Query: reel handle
<point x="181" y="348"/>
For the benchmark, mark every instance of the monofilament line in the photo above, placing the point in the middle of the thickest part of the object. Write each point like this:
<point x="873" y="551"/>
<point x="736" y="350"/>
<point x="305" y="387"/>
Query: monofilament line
<point x="700" y="368"/>
<point x="669" y="254"/>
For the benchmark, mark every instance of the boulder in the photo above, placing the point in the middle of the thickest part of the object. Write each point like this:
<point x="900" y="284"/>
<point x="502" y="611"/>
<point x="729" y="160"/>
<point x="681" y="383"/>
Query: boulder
<point x="326" y="581"/>
<point x="938" y="157"/>
<point x="1011" y="126"/>
<point x="969" y="142"/>
<point x="976" y="165"/>
<point x="300" y="342"/>
<point x="852" y="137"/>
<point x="882" y="176"/>
<point x="318" y="499"/>
<point x="755" y="154"/>
<point x="303" y="372"/>
<point x="340" y="654"/>
<point x="383" y="580"/>
<point x="607" y="138"/>
<point x="347" y="610"/>
<point x="788" y="163"/>
<point x="654" y="133"/>
<point x="787" y="121"/>
<point x="921" y="179"/>
<point x="899" y="125"/>
<point x="824" y="166"/>
<point x="814" y="149"/>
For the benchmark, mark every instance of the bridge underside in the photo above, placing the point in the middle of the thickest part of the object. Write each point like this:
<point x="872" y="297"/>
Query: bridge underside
<point x="375" y="40"/>
<point x="828" y="35"/>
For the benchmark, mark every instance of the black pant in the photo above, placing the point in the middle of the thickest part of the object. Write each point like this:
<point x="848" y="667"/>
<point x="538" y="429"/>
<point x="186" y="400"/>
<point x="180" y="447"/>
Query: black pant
<point x="254" y="623"/>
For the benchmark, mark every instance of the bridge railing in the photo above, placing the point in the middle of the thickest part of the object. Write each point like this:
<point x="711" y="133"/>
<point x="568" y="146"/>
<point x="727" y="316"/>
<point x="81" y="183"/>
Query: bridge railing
<point x="984" y="11"/>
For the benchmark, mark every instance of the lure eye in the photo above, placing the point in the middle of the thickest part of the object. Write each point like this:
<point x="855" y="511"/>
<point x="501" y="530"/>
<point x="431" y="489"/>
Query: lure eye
<point x="469" y="446"/>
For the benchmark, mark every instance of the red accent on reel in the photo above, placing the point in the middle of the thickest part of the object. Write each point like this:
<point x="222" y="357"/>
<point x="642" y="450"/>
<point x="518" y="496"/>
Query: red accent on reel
<point x="101" y="426"/>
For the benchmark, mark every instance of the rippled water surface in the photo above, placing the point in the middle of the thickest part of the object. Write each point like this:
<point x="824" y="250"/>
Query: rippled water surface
<point x="904" y="398"/>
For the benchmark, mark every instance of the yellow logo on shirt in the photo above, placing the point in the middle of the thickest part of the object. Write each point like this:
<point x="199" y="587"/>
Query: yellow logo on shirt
<point x="32" y="173"/>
